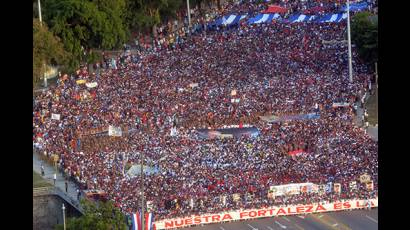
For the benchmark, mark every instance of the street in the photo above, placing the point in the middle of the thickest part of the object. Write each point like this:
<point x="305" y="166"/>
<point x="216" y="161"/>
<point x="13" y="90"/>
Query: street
<point x="343" y="220"/>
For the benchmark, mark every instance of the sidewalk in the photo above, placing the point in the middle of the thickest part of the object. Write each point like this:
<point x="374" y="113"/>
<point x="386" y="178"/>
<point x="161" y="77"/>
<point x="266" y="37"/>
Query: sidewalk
<point x="371" y="130"/>
<point x="48" y="176"/>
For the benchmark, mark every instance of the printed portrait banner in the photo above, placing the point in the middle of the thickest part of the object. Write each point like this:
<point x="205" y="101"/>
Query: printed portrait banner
<point x="353" y="185"/>
<point x="289" y="189"/>
<point x="369" y="185"/>
<point x="337" y="187"/>
<point x="322" y="189"/>
<point x="261" y="213"/>
<point x="328" y="187"/>
<point x="364" y="178"/>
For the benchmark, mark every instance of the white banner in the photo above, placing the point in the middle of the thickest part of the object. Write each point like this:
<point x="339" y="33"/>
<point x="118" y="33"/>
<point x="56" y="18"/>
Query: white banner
<point x="91" y="84"/>
<point x="290" y="189"/>
<point x="341" y="104"/>
<point x="261" y="213"/>
<point x="193" y="85"/>
<point x="55" y="116"/>
<point x="114" y="131"/>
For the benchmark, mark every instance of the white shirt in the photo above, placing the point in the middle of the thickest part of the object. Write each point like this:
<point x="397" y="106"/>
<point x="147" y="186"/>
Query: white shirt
<point x="55" y="176"/>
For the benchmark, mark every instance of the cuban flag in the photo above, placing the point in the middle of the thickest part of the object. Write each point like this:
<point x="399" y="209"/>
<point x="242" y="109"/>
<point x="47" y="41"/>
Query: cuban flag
<point x="137" y="223"/>
<point x="149" y="221"/>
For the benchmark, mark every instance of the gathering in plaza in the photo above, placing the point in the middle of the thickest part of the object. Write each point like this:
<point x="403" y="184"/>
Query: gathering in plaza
<point x="263" y="75"/>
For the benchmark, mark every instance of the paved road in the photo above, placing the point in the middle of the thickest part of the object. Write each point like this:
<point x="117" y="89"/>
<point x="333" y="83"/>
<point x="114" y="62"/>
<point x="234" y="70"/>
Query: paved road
<point x="344" y="220"/>
<point x="373" y="132"/>
<point x="49" y="174"/>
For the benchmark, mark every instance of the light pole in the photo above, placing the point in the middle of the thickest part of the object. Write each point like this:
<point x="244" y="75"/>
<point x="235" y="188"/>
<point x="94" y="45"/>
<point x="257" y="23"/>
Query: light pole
<point x="142" y="191"/>
<point x="189" y="16"/>
<point x="349" y="42"/>
<point x="41" y="24"/>
<point x="39" y="12"/>
<point x="377" y="76"/>
<point x="63" y="216"/>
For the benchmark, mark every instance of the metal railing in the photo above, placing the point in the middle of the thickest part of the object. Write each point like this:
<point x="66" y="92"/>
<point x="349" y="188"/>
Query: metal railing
<point x="45" y="191"/>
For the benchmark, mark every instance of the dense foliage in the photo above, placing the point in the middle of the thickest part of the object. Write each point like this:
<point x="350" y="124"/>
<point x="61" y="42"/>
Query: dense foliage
<point x="365" y="35"/>
<point x="96" y="24"/>
<point x="98" y="216"/>
<point x="47" y="50"/>
<point x="86" y="24"/>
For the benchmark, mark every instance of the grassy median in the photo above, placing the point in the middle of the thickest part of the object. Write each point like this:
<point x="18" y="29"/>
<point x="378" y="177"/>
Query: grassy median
<point x="38" y="181"/>
<point x="371" y="106"/>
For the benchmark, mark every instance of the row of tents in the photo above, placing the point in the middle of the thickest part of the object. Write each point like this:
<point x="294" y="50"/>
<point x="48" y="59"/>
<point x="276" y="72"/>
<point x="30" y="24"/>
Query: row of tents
<point x="273" y="13"/>
<point x="267" y="18"/>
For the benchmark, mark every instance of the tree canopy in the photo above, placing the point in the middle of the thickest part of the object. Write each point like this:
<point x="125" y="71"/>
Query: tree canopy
<point x="144" y="14"/>
<point x="365" y="35"/>
<point x="47" y="50"/>
<point x="87" y="24"/>
<point x="97" y="216"/>
<point x="76" y="27"/>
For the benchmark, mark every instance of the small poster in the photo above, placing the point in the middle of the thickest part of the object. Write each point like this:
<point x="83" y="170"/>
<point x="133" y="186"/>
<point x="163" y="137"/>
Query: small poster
<point x="364" y="178"/>
<point x="91" y="84"/>
<point x="55" y="116"/>
<point x="82" y="81"/>
<point x="114" y="131"/>
<point x="337" y="188"/>
<point x="353" y="185"/>
<point x="369" y="185"/>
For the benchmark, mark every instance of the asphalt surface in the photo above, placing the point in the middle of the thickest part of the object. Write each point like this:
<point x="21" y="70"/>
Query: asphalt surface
<point x="49" y="176"/>
<point x="343" y="220"/>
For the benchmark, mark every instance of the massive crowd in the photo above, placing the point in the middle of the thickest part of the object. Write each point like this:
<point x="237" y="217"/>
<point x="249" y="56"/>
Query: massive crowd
<point x="279" y="69"/>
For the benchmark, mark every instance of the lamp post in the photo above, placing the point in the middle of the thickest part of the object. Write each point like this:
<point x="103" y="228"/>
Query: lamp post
<point x="189" y="16"/>
<point x="377" y="76"/>
<point x="63" y="216"/>
<point x="349" y="42"/>
<point x="44" y="76"/>
<point x="39" y="11"/>
<point x="142" y="191"/>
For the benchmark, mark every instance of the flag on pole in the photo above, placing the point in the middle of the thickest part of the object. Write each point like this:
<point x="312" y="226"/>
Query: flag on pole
<point x="149" y="221"/>
<point x="136" y="221"/>
<point x="137" y="224"/>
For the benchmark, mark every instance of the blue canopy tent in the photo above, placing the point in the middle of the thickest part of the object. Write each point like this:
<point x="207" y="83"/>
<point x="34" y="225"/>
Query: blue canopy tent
<point x="263" y="18"/>
<point x="227" y="20"/>
<point x="333" y="17"/>
<point x="356" y="6"/>
<point x="301" y="18"/>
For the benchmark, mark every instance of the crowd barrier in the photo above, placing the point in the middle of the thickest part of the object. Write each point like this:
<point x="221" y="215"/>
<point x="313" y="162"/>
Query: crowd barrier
<point x="264" y="212"/>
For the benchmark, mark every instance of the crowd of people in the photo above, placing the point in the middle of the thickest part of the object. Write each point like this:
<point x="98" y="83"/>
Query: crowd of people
<point x="274" y="69"/>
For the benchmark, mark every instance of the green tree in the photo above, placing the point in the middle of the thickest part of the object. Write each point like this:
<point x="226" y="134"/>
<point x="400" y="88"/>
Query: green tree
<point x="47" y="50"/>
<point x="143" y="15"/>
<point x="84" y="25"/>
<point x="365" y="35"/>
<point x="97" y="216"/>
